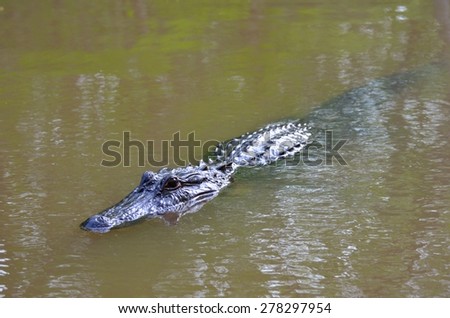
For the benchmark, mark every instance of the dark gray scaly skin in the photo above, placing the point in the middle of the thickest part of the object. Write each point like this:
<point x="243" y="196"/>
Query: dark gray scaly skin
<point x="171" y="193"/>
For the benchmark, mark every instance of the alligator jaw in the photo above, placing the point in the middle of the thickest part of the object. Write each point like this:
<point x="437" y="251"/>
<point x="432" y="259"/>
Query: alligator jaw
<point x="139" y="205"/>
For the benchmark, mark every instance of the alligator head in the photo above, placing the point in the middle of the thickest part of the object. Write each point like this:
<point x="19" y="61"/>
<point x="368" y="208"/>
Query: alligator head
<point x="167" y="194"/>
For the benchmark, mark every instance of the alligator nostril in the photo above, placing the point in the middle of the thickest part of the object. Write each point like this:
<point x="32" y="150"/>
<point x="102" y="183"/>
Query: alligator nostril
<point x="96" y="223"/>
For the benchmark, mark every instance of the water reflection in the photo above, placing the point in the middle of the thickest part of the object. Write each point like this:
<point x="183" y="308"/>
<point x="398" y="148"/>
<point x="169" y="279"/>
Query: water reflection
<point x="4" y="267"/>
<point x="69" y="275"/>
<point x="98" y="98"/>
<point x="422" y="175"/>
<point x="359" y="205"/>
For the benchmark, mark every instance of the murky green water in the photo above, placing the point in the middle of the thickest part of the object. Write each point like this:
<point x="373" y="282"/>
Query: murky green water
<point x="74" y="74"/>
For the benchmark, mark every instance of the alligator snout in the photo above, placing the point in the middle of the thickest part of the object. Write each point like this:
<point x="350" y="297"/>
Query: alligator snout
<point x="96" y="223"/>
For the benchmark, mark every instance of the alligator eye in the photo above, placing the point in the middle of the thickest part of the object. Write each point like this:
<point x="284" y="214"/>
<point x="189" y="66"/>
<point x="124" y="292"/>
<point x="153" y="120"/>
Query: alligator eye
<point x="172" y="184"/>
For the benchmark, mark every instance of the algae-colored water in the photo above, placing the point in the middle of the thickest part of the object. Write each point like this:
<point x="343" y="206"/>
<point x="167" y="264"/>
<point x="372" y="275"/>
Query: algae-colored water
<point x="75" y="74"/>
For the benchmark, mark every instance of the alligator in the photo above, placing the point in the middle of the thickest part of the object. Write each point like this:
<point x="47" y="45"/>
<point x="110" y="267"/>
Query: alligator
<point x="171" y="193"/>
